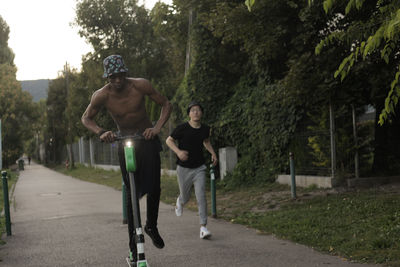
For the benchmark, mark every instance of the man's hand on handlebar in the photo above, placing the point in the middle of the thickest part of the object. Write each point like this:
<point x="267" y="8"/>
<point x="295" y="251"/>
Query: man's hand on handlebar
<point x="107" y="137"/>
<point x="150" y="133"/>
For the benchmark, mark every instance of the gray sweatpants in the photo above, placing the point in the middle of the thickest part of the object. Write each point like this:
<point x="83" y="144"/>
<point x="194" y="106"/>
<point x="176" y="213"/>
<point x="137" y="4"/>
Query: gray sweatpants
<point x="197" y="177"/>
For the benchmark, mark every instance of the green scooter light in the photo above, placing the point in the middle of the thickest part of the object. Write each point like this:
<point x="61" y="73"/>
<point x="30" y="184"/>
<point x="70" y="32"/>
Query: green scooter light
<point x="130" y="158"/>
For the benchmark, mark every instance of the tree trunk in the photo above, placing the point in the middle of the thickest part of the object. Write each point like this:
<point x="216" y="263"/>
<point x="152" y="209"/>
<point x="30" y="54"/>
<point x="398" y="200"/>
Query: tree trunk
<point x="70" y="156"/>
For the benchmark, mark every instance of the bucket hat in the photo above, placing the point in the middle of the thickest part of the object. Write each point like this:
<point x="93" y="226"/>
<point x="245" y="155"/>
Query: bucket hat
<point x="113" y="64"/>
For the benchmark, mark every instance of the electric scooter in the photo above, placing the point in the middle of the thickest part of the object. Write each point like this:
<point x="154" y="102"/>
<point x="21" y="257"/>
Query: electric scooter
<point x="130" y="162"/>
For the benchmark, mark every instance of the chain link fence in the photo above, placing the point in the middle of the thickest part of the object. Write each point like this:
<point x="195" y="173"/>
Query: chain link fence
<point x="90" y="151"/>
<point x="338" y="145"/>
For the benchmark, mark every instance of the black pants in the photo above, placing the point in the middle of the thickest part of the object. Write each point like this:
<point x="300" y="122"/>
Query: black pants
<point x="147" y="181"/>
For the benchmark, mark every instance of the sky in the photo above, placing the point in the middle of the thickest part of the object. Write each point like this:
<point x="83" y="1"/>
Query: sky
<point x="42" y="38"/>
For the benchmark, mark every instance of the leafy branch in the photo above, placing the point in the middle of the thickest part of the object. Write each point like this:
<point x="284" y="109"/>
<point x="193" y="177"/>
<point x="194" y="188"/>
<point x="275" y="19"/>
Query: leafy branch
<point x="382" y="41"/>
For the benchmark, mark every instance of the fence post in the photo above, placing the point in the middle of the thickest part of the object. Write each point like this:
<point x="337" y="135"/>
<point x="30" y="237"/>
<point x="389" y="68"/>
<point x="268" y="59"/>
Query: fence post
<point x="80" y="150"/>
<point x="6" y="202"/>
<point x="213" y="193"/>
<point x="292" y="175"/>
<point x="83" y="150"/>
<point x="356" y="157"/>
<point x="91" y="152"/>
<point x="1" y="151"/>
<point x="333" y="142"/>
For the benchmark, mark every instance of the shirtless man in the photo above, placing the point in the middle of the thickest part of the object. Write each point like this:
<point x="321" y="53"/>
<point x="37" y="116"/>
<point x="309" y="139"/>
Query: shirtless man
<point x="124" y="99"/>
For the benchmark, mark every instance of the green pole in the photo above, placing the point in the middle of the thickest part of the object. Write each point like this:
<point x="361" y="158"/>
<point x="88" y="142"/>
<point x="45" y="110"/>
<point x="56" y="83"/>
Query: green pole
<point x="292" y="175"/>
<point x="124" y="207"/>
<point x="1" y="152"/>
<point x="213" y="194"/>
<point x="6" y="202"/>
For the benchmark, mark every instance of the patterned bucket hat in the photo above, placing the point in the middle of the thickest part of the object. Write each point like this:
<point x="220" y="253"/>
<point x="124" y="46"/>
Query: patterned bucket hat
<point x="113" y="64"/>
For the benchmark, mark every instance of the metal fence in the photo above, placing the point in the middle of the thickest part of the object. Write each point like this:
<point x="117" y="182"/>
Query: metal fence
<point x="90" y="151"/>
<point x="341" y="145"/>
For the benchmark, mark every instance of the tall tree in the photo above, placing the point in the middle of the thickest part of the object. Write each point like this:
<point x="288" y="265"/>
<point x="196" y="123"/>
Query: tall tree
<point x="17" y="111"/>
<point x="369" y="30"/>
<point x="56" y="115"/>
<point x="6" y="54"/>
<point x="372" y="30"/>
<point x="122" y="27"/>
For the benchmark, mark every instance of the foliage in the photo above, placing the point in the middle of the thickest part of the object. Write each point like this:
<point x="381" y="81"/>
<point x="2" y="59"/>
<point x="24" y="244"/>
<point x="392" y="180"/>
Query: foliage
<point x="250" y="4"/>
<point x="77" y="101"/>
<point x="381" y="32"/>
<point x="282" y="80"/>
<point x="256" y="74"/>
<point x="37" y="131"/>
<point x="265" y="35"/>
<point x="57" y="129"/>
<point x="6" y="54"/>
<point x="122" y="27"/>
<point x="260" y="121"/>
<point x="170" y="26"/>
<point x="17" y="113"/>
<point x="210" y="79"/>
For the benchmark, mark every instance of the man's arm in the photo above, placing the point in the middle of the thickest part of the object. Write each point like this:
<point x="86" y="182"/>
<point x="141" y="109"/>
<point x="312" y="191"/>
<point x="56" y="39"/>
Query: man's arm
<point x="166" y="109"/>
<point x="182" y="154"/>
<point x="208" y="146"/>
<point x="90" y="113"/>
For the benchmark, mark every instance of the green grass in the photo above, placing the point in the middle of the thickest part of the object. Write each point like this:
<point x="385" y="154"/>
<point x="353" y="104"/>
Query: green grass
<point x="11" y="180"/>
<point x="361" y="226"/>
<point x="95" y="175"/>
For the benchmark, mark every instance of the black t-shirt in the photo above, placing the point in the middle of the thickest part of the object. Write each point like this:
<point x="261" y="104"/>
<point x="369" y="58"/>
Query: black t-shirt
<point x="191" y="140"/>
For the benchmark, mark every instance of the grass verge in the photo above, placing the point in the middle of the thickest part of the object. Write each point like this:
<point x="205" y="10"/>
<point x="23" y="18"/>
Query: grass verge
<point x="94" y="175"/>
<point x="362" y="225"/>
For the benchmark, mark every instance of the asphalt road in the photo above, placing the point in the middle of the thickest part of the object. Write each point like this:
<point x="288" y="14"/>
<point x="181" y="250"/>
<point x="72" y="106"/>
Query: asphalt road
<point x="61" y="221"/>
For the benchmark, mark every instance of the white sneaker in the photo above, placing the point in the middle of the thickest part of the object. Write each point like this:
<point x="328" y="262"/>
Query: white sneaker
<point x="178" y="208"/>
<point x="204" y="233"/>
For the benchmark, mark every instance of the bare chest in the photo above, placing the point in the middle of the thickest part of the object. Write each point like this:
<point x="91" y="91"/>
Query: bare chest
<point x="125" y="105"/>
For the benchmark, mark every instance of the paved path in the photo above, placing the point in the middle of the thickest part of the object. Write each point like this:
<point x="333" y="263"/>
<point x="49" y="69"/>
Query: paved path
<point x="61" y="221"/>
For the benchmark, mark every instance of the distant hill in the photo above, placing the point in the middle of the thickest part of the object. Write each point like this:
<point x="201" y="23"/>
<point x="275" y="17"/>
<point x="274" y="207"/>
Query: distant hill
<point x="37" y="88"/>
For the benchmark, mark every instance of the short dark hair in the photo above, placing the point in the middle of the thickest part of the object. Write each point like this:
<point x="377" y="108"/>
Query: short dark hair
<point x="192" y="104"/>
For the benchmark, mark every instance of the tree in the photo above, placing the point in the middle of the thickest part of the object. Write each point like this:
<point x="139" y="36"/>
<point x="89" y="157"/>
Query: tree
<point x="6" y="54"/>
<point x="56" y="115"/>
<point x="359" y="32"/>
<point x="17" y="111"/>
<point x="375" y="33"/>
<point x="123" y="27"/>
<point x="370" y="31"/>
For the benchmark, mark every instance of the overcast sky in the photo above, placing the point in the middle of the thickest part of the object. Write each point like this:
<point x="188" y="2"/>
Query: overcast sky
<point x="42" y="38"/>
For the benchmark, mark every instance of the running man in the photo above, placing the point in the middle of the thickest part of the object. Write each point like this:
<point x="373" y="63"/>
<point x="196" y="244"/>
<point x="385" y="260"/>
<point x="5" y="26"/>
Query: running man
<point x="191" y="170"/>
<point x="124" y="99"/>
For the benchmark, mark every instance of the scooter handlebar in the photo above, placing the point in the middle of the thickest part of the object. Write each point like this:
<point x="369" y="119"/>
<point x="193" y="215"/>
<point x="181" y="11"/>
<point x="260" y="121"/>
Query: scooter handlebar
<point x="119" y="137"/>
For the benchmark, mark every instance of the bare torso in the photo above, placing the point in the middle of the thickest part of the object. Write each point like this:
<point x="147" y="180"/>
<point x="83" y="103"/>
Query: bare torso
<point x="126" y="106"/>
<point x="124" y="99"/>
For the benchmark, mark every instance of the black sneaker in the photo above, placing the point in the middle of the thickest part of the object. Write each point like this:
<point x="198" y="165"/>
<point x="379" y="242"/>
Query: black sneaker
<point x="158" y="242"/>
